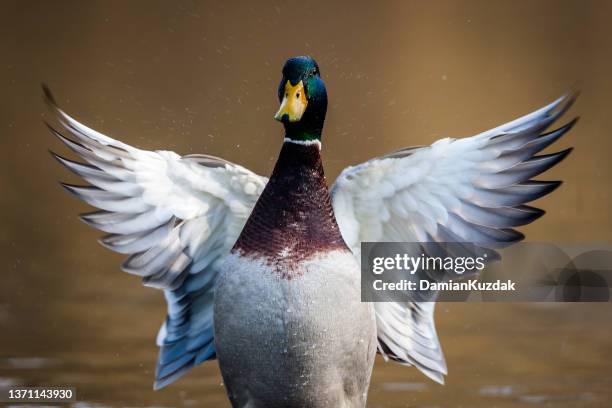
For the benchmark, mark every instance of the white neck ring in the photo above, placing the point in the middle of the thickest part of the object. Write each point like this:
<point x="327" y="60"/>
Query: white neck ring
<point x="304" y="142"/>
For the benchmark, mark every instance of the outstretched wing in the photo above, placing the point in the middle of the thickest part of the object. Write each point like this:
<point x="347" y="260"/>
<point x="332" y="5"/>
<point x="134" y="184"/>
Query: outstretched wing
<point x="176" y="217"/>
<point x="472" y="190"/>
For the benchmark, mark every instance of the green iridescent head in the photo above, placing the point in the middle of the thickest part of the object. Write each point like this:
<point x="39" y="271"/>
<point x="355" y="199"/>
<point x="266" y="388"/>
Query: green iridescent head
<point x="303" y="99"/>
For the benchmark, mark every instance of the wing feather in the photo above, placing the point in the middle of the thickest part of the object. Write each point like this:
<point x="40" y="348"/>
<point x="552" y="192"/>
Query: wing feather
<point x="471" y="190"/>
<point x="175" y="217"/>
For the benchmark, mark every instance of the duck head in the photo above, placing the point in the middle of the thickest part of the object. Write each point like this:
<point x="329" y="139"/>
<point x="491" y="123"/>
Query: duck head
<point x="303" y="100"/>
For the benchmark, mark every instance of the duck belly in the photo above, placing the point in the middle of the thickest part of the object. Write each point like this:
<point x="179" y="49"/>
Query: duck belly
<point x="298" y="337"/>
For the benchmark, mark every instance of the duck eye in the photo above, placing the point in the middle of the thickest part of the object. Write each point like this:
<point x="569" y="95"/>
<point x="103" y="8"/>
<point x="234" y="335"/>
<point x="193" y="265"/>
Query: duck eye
<point x="297" y="95"/>
<point x="286" y="94"/>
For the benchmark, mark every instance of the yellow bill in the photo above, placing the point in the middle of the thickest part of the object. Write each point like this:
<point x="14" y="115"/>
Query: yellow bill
<point x="294" y="103"/>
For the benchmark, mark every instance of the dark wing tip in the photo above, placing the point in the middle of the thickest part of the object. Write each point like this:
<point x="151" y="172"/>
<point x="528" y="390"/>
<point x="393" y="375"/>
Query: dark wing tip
<point x="51" y="129"/>
<point x="538" y="189"/>
<point x="550" y="186"/>
<point x="534" y="212"/>
<point x="567" y="127"/>
<point x="48" y="95"/>
<point x="573" y="122"/>
<point x="570" y="98"/>
<point x="55" y="155"/>
<point x="515" y="236"/>
<point x="551" y="159"/>
<point x="72" y="189"/>
<point x="563" y="154"/>
<point x="79" y="191"/>
<point x="61" y="159"/>
<point x="89" y="218"/>
<point x="61" y="137"/>
<point x="511" y="235"/>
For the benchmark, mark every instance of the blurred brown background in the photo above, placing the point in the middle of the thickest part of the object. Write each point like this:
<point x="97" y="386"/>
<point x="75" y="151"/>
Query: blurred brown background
<point x="201" y="77"/>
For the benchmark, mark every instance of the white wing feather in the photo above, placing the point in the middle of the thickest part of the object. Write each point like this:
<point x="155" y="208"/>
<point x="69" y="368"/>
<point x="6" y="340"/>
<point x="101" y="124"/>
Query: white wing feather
<point x="456" y="190"/>
<point x="176" y="217"/>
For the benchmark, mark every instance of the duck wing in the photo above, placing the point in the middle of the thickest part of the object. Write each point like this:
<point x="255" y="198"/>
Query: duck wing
<point x="176" y="217"/>
<point x="456" y="190"/>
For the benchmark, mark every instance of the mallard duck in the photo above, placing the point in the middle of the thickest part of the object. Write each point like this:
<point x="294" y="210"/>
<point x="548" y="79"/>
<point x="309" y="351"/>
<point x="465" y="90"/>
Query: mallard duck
<point x="263" y="274"/>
